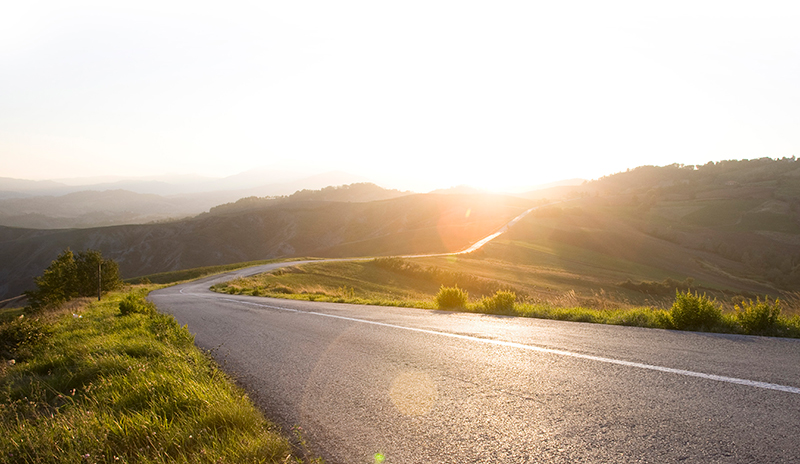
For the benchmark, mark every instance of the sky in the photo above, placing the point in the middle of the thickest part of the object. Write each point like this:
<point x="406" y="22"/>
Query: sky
<point x="410" y="94"/>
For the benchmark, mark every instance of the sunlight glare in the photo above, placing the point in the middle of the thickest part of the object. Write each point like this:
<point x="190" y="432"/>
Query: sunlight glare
<point x="413" y="393"/>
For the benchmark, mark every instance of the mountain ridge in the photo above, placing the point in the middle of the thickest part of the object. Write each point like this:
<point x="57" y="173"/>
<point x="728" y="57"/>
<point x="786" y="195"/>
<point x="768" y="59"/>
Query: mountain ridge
<point x="404" y="224"/>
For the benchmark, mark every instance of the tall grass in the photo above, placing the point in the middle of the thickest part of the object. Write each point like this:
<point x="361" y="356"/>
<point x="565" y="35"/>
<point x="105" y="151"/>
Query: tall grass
<point x="451" y="298"/>
<point x="100" y="386"/>
<point x="195" y="273"/>
<point x="363" y="285"/>
<point x="692" y="311"/>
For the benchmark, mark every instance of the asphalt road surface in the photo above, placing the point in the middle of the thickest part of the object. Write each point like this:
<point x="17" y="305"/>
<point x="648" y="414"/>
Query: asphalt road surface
<point x="395" y="385"/>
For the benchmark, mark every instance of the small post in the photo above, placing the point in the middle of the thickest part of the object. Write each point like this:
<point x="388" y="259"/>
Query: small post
<point x="99" y="279"/>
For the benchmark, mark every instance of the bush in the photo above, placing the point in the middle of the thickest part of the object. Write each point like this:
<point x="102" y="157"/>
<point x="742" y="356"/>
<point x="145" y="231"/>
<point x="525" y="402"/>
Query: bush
<point x="136" y="304"/>
<point x="19" y="337"/>
<point x="691" y="311"/>
<point x="71" y="275"/>
<point x="501" y="303"/>
<point x="759" y="318"/>
<point x="451" y="298"/>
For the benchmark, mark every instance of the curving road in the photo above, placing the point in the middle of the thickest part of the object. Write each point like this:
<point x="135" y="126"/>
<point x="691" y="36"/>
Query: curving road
<point x="397" y="385"/>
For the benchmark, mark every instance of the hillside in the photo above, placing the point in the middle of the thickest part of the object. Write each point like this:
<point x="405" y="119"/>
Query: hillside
<point x="359" y="192"/>
<point x="733" y="225"/>
<point x="407" y="224"/>
<point x="93" y="209"/>
<point x="729" y="229"/>
<point x="98" y="202"/>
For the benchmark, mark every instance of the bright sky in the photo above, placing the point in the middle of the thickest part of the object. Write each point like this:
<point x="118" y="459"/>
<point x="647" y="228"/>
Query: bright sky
<point x="411" y="94"/>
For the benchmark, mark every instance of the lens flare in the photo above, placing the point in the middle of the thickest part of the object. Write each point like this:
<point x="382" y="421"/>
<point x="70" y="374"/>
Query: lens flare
<point x="413" y="393"/>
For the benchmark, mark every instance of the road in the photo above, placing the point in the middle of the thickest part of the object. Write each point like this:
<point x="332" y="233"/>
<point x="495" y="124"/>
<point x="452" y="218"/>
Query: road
<point x="397" y="385"/>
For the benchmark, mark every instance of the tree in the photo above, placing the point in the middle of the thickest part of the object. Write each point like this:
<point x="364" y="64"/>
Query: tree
<point x="70" y="276"/>
<point x="87" y="265"/>
<point x="57" y="284"/>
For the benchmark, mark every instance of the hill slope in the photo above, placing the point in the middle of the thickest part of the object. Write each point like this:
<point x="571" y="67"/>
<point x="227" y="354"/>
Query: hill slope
<point x="90" y="208"/>
<point x="408" y="224"/>
<point x="730" y="225"/>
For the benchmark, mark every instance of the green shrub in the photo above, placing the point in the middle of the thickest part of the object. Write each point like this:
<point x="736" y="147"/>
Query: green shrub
<point x="759" y="318"/>
<point x="451" y="298"/>
<point x="691" y="311"/>
<point x="133" y="303"/>
<point x="19" y="337"/>
<point x="71" y="275"/>
<point x="501" y="303"/>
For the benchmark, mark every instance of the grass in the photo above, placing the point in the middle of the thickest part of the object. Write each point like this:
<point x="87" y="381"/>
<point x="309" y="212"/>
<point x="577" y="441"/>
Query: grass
<point x="89" y="384"/>
<point x="198" y="272"/>
<point x="403" y="282"/>
<point x="361" y="282"/>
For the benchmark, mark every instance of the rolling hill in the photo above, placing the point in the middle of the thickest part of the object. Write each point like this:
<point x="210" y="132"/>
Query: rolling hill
<point x="98" y="202"/>
<point x="266" y="229"/>
<point x="731" y="226"/>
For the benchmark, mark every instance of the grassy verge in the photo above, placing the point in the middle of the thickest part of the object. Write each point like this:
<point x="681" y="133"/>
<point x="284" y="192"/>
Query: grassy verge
<point x="393" y="282"/>
<point x="198" y="272"/>
<point x="361" y="282"/>
<point x="89" y="384"/>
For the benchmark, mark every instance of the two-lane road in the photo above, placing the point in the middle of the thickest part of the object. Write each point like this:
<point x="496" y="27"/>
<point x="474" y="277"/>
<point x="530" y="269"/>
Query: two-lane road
<point x="418" y="386"/>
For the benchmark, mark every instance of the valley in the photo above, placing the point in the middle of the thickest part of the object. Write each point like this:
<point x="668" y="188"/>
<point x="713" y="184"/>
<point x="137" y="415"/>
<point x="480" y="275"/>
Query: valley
<point x="730" y="229"/>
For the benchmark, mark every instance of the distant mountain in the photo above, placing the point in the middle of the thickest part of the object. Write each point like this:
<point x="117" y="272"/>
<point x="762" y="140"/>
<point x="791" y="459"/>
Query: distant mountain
<point x="20" y="188"/>
<point x="93" y="209"/>
<point x="52" y="205"/>
<point x="361" y="192"/>
<point x="731" y="224"/>
<point x="293" y="227"/>
<point x="259" y="182"/>
<point x="267" y="182"/>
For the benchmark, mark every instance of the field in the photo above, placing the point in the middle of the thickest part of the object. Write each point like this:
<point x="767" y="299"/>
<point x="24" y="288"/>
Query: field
<point x="114" y="381"/>
<point x="594" y="258"/>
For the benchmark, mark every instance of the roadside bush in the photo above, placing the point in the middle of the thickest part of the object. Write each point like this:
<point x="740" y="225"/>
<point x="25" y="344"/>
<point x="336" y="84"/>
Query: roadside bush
<point x="501" y="303"/>
<point x="135" y="304"/>
<point x="759" y="318"/>
<point x="451" y="298"/>
<point x="691" y="311"/>
<point x="70" y="276"/>
<point x="19" y="337"/>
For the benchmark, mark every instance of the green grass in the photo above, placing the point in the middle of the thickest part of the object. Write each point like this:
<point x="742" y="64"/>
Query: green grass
<point x="353" y="281"/>
<point x="198" y="272"/>
<point x="9" y="314"/>
<point x="403" y="282"/>
<point x="96" y="386"/>
<point x="720" y="213"/>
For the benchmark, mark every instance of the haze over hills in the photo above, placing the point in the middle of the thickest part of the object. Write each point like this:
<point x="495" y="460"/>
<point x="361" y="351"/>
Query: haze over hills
<point x="262" y="229"/>
<point x="261" y="181"/>
<point x="83" y="203"/>
<point x="732" y="224"/>
<point x="736" y="224"/>
<point x="104" y="201"/>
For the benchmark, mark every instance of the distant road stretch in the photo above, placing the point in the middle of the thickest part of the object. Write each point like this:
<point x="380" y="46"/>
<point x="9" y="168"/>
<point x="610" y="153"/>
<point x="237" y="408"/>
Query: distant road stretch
<point x="396" y="385"/>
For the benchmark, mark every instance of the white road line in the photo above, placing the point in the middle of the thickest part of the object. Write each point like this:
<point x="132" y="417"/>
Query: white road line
<point x="718" y="378"/>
